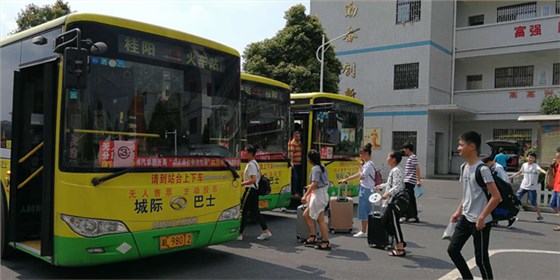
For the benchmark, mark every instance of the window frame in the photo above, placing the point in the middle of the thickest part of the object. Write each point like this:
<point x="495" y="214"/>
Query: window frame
<point x="414" y="11"/>
<point x="514" y="76"/>
<point x="406" y="76"/>
<point x="403" y="137"/>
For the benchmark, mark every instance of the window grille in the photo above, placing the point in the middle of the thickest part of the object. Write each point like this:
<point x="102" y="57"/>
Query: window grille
<point x="474" y="82"/>
<point x="556" y="74"/>
<point x="519" y="76"/>
<point x="521" y="134"/>
<point x="401" y="137"/>
<point x="558" y="7"/>
<point x="408" y="11"/>
<point x="476" y="20"/>
<point x="406" y="76"/>
<point x="517" y="12"/>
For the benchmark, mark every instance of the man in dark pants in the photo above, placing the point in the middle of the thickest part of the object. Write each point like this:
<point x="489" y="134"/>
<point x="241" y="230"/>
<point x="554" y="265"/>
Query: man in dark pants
<point x="411" y="179"/>
<point x="473" y="216"/>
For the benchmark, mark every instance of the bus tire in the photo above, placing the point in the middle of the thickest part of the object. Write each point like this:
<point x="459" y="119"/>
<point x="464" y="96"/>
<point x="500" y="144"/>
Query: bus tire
<point x="6" y="250"/>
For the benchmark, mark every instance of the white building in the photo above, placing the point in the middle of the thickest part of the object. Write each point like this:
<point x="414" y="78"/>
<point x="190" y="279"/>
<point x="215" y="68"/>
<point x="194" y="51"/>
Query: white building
<point x="430" y="70"/>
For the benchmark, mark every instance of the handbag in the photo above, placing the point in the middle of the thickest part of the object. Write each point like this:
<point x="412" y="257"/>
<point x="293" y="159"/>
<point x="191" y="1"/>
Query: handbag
<point x="419" y="190"/>
<point x="549" y="179"/>
<point x="449" y="230"/>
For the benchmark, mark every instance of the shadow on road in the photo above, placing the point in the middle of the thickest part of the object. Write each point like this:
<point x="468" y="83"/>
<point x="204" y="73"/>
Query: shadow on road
<point x="428" y="262"/>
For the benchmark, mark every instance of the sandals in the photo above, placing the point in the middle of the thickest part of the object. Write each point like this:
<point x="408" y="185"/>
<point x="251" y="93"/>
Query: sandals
<point x="311" y="240"/>
<point x="398" y="253"/>
<point x="324" y="245"/>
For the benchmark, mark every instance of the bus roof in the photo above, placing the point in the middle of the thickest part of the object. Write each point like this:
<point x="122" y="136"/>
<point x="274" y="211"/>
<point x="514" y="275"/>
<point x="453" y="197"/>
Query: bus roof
<point x="263" y="80"/>
<point x="326" y="95"/>
<point x="120" y="22"/>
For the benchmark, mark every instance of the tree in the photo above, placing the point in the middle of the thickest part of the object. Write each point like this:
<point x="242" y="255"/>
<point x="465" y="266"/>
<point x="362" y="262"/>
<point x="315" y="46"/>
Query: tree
<point x="34" y="15"/>
<point x="550" y="105"/>
<point x="289" y="56"/>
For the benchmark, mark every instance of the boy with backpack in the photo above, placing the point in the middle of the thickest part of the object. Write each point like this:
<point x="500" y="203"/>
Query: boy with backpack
<point x="473" y="216"/>
<point x="499" y="170"/>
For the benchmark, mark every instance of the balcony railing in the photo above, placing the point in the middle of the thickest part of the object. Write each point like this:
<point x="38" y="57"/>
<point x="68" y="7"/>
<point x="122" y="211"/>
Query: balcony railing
<point x="507" y="37"/>
<point x="505" y="100"/>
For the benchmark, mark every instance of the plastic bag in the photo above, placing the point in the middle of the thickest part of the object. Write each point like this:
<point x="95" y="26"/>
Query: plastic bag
<point x="448" y="232"/>
<point x="419" y="190"/>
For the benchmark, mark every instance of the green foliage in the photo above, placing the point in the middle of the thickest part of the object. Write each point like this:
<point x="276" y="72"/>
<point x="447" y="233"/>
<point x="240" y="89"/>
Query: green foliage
<point x="34" y="15"/>
<point x="550" y="105"/>
<point x="289" y="56"/>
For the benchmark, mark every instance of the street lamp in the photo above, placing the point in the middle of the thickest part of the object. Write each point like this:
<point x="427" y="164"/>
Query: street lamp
<point x="322" y="49"/>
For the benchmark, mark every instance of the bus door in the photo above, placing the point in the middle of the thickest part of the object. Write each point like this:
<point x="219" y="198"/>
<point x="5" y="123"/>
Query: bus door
<point x="300" y="122"/>
<point x="32" y="158"/>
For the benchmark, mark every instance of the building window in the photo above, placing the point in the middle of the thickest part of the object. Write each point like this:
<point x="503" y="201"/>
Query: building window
<point x="408" y="11"/>
<point x="517" y="12"/>
<point x="474" y="82"/>
<point x="406" y="76"/>
<point x="556" y="74"/>
<point x="401" y="137"/>
<point x="558" y="7"/>
<point x="519" y="76"/>
<point x="476" y="20"/>
<point x="521" y="135"/>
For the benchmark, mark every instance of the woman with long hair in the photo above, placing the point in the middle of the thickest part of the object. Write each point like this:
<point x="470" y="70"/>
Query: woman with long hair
<point x="316" y="198"/>
<point x="251" y="177"/>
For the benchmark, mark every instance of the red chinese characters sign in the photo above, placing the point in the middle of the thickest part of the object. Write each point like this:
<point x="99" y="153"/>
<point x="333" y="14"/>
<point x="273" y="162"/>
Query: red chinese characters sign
<point x="533" y="30"/>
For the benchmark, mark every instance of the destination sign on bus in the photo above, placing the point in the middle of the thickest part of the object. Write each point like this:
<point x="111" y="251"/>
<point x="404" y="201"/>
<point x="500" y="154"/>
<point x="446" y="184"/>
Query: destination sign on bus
<point x="176" y="54"/>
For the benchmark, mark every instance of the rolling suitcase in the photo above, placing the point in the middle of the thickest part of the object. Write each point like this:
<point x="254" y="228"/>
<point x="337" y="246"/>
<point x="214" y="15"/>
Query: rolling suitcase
<point x="377" y="234"/>
<point x="341" y="213"/>
<point x="301" y="228"/>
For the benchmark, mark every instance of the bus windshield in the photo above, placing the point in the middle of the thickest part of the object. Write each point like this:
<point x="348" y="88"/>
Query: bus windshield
<point x="338" y="129"/>
<point x="265" y="116"/>
<point x="152" y="102"/>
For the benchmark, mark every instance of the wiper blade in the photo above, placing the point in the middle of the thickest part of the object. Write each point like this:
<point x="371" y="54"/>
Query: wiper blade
<point x="97" y="181"/>
<point x="229" y="167"/>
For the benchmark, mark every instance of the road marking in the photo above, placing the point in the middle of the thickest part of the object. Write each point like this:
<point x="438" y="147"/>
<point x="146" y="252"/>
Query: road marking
<point x="454" y="274"/>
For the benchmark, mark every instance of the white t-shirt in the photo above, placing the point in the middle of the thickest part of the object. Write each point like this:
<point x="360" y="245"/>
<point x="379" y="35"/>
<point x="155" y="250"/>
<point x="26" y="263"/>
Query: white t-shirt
<point x="368" y="172"/>
<point x="474" y="196"/>
<point x="530" y="176"/>
<point x="251" y="170"/>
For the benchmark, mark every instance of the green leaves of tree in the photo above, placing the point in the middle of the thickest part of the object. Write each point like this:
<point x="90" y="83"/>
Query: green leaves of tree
<point x="289" y="56"/>
<point x="550" y="105"/>
<point x="34" y="15"/>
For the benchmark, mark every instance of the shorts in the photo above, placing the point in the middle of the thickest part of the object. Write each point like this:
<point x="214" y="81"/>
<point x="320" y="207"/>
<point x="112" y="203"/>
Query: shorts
<point x="364" y="206"/>
<point x="531" y="193"/>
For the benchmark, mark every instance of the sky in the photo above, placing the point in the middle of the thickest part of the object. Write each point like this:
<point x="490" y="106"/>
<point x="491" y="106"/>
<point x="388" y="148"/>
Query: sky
<point x="235" y="23"/>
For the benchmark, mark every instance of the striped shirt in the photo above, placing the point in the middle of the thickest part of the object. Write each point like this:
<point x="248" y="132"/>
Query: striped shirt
<point x="410" y="175"/>
<point x="294" y="150"/>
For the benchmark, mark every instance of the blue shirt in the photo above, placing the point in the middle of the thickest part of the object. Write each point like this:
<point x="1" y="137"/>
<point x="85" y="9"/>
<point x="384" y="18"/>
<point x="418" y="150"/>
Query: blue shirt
<point x="501" y="159"/>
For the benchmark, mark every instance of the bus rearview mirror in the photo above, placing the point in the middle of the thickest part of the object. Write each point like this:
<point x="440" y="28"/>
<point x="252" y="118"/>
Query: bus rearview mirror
<point x="75" y="68"/>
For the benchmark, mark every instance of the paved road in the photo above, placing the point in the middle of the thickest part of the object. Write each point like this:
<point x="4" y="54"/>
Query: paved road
<point x="529" y="251"/>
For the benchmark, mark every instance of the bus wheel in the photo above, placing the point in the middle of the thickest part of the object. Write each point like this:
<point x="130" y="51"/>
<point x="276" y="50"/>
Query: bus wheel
<point x="7" y="251"/>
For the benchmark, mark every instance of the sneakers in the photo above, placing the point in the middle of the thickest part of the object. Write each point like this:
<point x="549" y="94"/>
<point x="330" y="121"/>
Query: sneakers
<point x="240" y="237"/>
<point x="360" y="234"/>
<point x="403" y="220"/>
<point x="511" y="222"/>
<point x="264" y="235"/>
<point x="540" y="218"/>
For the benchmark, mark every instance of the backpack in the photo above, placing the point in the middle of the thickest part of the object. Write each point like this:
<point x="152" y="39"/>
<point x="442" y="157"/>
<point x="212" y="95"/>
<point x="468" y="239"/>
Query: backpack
<point x="263" y="186"/>
<point x="509" y="206"/>
<point x="378" y="179"/>
<point x="401" y="201"/>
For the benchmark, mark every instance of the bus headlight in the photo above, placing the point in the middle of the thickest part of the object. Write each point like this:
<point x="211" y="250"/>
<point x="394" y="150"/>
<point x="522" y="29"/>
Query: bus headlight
<point x="230" y="214"/>
<point x="93" y="227"/>
<point x="286" y="189"/>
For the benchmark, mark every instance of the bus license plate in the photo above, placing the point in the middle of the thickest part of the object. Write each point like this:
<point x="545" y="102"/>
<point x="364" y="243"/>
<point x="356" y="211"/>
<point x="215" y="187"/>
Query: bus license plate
<point x="175" y="241"/>
<point x="263" y="204"/>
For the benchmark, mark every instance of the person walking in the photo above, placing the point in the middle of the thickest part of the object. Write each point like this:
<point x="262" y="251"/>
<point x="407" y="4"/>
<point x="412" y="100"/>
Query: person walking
<point x="316" y="198"/>
<point x="394" y="185"/>
<point x="555" y="201"/>
<point x="530" y="182"/>
<point x="367" y="183"/>
<point x="411" y="179"/>
<point x="295" y="153"/>
<point x="473" y="216"/>
<point x="251" y="177"/>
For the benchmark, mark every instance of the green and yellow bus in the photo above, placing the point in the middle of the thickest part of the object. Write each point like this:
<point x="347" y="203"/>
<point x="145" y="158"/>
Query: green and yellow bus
<point x="333" y="125"/>
<point x="265" y="114"/>
<point x="119" y="140"/>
